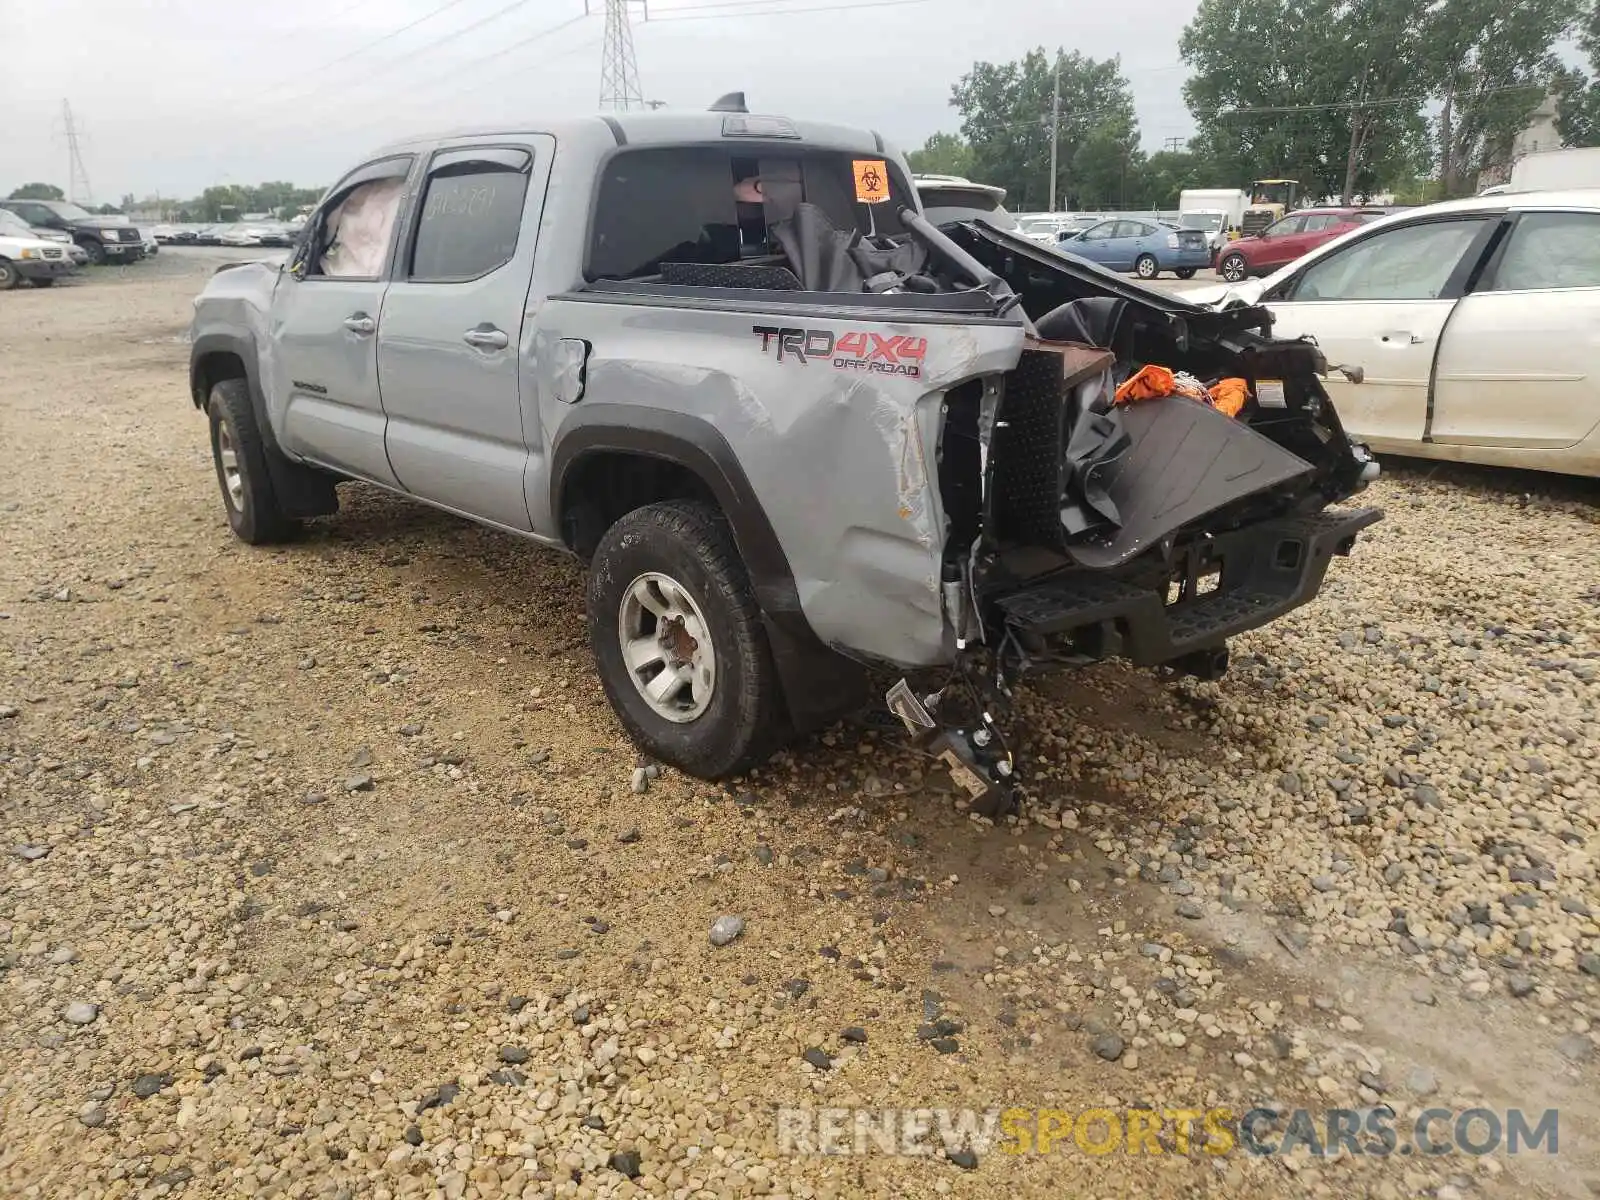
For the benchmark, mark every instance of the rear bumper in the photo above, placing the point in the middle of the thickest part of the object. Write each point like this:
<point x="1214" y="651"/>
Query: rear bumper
<point x="1266" y="570"/>
<point x="1183" y="260"/>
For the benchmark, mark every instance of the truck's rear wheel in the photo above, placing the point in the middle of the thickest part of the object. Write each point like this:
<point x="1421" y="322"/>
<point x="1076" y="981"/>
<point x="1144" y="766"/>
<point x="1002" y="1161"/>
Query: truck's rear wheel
<point x="679" y="643"/>
<point x="240" y="459"/>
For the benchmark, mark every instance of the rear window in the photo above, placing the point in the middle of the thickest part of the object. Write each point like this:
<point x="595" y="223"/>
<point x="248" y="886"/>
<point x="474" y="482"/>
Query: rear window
<point x="697" y="205"/>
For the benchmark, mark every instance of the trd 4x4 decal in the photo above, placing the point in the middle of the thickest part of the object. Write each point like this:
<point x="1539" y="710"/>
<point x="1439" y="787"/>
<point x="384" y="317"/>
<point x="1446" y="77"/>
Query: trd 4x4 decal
<point x="854" y="350"/>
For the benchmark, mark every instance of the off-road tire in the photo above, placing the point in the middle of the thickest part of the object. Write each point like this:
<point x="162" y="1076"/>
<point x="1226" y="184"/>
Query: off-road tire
<point x="255" y="516"/>
<point x="690" y="542"/>
<point x="1233" y="268"/>
<point x="1146" y="266"/>
<point x="9" y="275"/>
<point x="1185" y="272"/>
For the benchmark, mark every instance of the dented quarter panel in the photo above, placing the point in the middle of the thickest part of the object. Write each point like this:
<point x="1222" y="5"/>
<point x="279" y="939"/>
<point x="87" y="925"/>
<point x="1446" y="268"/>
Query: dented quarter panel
<point x="841" y="455"/>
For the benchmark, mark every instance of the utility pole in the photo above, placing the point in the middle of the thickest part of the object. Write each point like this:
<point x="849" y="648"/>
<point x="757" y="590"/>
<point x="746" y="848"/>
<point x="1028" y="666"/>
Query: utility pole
<point x="619" y="69"/>
<point x="1055" y="130"/>
<point x="1174" y="144"/>
<point x="77" y="175"/>
<point x="1446" y="149"/>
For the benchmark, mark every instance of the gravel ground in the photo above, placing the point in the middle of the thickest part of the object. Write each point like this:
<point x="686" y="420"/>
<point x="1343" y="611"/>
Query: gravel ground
<point x="327" y="873"/>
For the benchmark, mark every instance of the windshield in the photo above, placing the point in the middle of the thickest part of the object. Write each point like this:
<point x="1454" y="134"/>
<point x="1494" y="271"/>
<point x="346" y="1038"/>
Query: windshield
<point x="72" y="212"/>
<point x="1039" y="226"/>
<point x="955" y="204"/>
<point x="15" y="225"/>
<point x="1272" y="192"/>
<point x="1209" y="222"/>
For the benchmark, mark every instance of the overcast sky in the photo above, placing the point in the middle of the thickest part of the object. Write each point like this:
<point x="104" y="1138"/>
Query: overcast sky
<point x="174" y="95"/>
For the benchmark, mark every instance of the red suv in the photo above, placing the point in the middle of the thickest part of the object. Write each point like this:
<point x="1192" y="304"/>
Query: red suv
<point x="1286" y="240"/>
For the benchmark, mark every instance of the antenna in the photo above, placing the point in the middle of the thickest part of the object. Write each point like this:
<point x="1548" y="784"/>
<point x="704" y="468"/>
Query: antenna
<point x="77" y="174"/>
<point x="619" y="69"/>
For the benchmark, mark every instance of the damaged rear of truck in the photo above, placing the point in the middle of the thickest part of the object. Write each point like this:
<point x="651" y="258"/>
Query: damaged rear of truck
<point x="939" y="429"/>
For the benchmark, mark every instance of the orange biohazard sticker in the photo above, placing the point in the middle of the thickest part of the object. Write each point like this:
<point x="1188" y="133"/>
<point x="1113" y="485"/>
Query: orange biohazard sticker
<point x="872" y="180"/>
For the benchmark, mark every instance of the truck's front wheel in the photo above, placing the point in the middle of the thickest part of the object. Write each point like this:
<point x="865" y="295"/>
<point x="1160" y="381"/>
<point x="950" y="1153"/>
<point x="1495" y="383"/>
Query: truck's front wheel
<point x="678" y="640"/>
<point x="240" y="459"/>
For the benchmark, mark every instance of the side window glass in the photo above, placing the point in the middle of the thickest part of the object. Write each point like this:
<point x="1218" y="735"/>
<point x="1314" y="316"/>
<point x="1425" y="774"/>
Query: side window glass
<point x="471" y="213"/>
<point x="1410" y="263"/>
<point x="1551" y="250"/>
<point x="1100" y="232"/>
<point x="357" y="231"/>
<point x="1320" y="223"/>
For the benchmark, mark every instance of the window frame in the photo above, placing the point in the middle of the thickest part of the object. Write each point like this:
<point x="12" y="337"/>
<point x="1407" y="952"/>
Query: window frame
<point x="1276" y="229"/>
<point x="1467" y="269"/>
<point x="417" y="200"/>
<point x="368" y="172"/>
<point x="1489" y="276"/>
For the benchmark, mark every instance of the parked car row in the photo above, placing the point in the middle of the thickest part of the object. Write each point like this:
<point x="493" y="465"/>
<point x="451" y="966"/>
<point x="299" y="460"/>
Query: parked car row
<point x="102" y="238"/>
<point x="237" y="233"/>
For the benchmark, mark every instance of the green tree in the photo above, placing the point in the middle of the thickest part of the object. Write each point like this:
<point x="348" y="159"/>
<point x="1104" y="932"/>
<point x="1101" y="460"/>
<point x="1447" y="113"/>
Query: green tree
<point x="1496" y="63"/>
<point x="1329" y="92"/>
<point x="1167" y="173"/>
<point x="1006" y="119"/>
<point x="38" y="191"/>
<point x="942" y="154"/>
<point x="1578" y="94"/>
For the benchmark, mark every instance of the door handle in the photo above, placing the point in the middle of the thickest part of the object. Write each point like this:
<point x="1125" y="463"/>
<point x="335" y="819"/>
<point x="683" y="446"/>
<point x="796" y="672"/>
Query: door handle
<point x="1409" y="339"/>
<point x="360" y="323"/>
<point x="486" y="339"/>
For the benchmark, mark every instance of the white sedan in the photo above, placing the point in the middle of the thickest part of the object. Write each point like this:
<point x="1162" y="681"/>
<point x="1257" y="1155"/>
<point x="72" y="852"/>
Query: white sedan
<point x="1475" y="322"/>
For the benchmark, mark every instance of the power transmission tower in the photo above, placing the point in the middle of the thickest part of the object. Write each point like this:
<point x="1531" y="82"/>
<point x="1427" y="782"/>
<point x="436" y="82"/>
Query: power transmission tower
<point x="77" y="174"/>
<point x="619" y="69"/>
<point x="1174" y="144"/>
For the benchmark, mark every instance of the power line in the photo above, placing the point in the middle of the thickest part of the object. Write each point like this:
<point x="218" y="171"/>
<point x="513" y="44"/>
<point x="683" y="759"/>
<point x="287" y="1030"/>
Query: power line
<point x="410" y="54"/>
<point x="786" y="12"/>
<point x="388" y="37"/>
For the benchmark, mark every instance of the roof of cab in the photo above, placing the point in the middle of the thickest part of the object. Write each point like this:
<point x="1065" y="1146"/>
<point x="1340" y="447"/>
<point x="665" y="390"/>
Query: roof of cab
<point x="667" y="127"/>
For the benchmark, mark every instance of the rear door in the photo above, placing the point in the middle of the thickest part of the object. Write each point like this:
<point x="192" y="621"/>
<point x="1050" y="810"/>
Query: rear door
<point x="325" y="321"/>
<point x="1127" y="244"/>
<point x="1381" y="303"/>
<point x="1520" y="365"/>
<point x="450" y="341"/>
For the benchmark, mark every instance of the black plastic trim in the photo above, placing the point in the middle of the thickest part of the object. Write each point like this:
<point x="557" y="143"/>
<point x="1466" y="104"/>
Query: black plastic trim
<point x="819" y="683"/>
<point x="838" y="305"/>
<point x="616" y="130"/>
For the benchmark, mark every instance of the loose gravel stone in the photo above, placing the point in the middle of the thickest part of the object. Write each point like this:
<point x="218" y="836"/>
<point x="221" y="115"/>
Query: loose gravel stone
<point x="80" y="1012"/>
<point x="1108" y="1046"/>
<point x="818" y="1058"/>
<point x="92" y="1115"/>
<point x="725" y="929"/>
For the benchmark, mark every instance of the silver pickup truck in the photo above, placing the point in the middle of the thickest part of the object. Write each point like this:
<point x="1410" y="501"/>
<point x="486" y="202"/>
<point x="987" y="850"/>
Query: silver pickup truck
<point x="801" y="435"/>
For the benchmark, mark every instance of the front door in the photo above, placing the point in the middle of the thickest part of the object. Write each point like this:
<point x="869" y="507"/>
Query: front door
<point x="1382" y="304"/>
<point x="323" y="386"/>
<point x="1097" y="243"/>
<point x="1518" y="366"/>
<point x="450" y="339"/>
<point x="1281" y="243"/>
